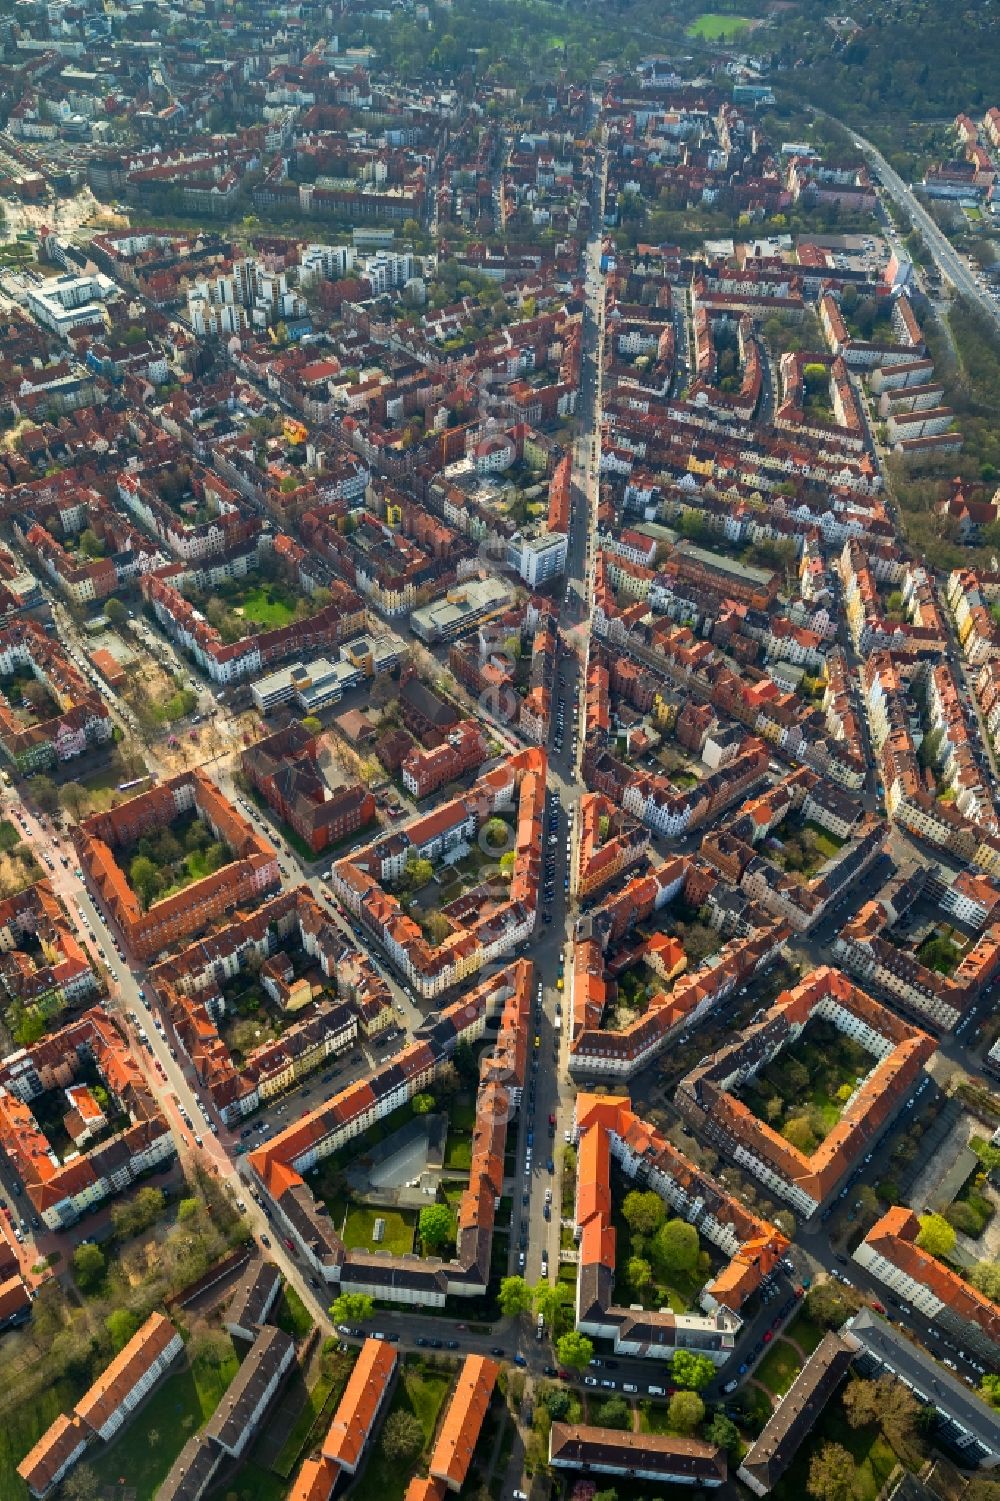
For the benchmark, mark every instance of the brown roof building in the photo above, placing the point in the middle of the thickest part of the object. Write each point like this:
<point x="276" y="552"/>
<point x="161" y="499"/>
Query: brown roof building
<point x="773" y="1451"/>
<point x="639" y="1456"/>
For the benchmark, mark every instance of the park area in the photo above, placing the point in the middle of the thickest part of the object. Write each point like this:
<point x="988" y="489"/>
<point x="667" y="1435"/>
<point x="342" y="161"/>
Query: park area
<point x="801" y="848"/>
<point x="802" y="1092"/>
<point x="714" y="27"/>
<point x="18" y="866"/>
<point x="264" y="599"/>
<point x="147" y="1448"/>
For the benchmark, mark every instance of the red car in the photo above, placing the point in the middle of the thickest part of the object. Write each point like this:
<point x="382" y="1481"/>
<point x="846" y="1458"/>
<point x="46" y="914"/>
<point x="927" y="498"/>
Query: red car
<point x="552" y="1119"/>
<point x="768" y="1337"/>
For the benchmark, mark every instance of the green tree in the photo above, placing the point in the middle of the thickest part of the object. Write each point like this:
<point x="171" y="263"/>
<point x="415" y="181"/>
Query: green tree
<point x="423" y="1104"/>
<point x="90" y="543"/>
<point x="495" y="832"/>
<point x="675" y="1247"/>
<point x="685" y="1411"/>
<point x="574" y="1350"/>
<point x="723" y="1432"/>
<point x="515" y="1296"/>
<point x="990" y="1388"/>
<point x="418" y="873"/>
<point x="73" y="798"/>
<point x="188" y="1209"/>
<point x="312" y="724"/>
<point x="121" y="1324"/>
<point x="435" y="1226"/>
<point x="644" y="1212"/>
<point x="826" y="1305"/>
<point x="691" y="1369"/>
<point x="861" y="1402"/>
<point x="115" y="611"/>
<point x="638" y="1272"/>
<point x="145" y="879"/>
<point x="352" y="1308"/>
<point x="936" y="1236"/>
<point x="402" y="1437"/>
<point x="615" y="1413"/>
<point x="88" y="1267"/>
<point x="832" y="1474"/>
<point x="45" y="794"/>
<point x="985" y="1276"/>
<point x="553" y="1300"/>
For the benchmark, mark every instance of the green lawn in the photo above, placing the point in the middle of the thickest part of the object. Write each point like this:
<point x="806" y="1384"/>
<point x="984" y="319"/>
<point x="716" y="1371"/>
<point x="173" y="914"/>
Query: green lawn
<point x="268" y="605"/>
<point x="711" y="26"/>
<point x="23" y="1426"/>
<point x="805" y="1333"/>
<point x="292" y="1315"/>
<point x="458" y="1152"/>
<point x="779" y="1368"/>
<point x="422" y="1393"/>
<point x="148" y="1446"/>
<point x="652" y="1419"/>
<point x="870" y="1451"/>
<point x="320" y="1403"/>
<point x="398" y="1237"/>
<point x="828" y="844"/>
<point x="9" y="835"/>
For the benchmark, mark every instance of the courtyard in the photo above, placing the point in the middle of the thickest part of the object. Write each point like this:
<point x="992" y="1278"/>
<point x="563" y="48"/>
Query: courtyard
<point x="169" y="859"/>
<point x="803" y="1092"/>
<point x="263" y="599"/>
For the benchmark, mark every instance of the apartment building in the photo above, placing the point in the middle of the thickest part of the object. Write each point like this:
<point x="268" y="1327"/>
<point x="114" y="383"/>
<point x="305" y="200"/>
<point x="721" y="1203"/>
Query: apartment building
<point x="590" y="1451"/>
<point x="252" y="872"/>
<point x="105" y="1407"/>
<point x="964" y="1422"/>
<point x="462" y="1423"/>
<point x="890" y="1252"/>
<point x="256" y="1294"/>
<point x="284" y="768"/>
<point x="342" y="1449"/>
<point x="42" y="963"/>
<point x="769" y="1456"/>
<point x="898" y="1053"/>
<point x="464" y="748"/>
<point x="236" y="1421"/>
<point x="607" y="1128"/>
<point x="61" y="1191"/>
<point x="482" y="928"/>
<point x="82" y="720"/>
<point x="282" y="1162"/>
<point x="344" y="997"/>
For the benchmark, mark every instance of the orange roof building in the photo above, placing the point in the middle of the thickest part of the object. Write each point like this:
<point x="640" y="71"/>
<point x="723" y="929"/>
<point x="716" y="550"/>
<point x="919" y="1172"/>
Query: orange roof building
<point x="347" y="1436"/>
<point x="359" y="1407"/>
<point x="890" y="1252"/>
<point x="105" y="1407"/>
<point x="606" y="1126"/>
<point x="459" y="1432"/>
<point x="898" y="1050"/>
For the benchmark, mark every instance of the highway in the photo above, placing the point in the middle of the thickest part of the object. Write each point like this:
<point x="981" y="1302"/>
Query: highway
<point x="947" y="258"/>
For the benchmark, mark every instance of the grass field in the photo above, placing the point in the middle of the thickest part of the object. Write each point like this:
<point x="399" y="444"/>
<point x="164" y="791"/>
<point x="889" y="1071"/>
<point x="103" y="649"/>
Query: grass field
<point x="9" y="835"/>
<point x="422" y="1393"/>
<point x="292" y="1315"/>
<point x="268" y="606"/>
<point x="711" y="26"/>
<point x="870" y="1451"/>
<point x="398" y="1237"/>
<point x="805" y="1333"/>
<point x="779" y="1368"/>
<point x="23" y="1427"/>
<point x="148" y="1447"/>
